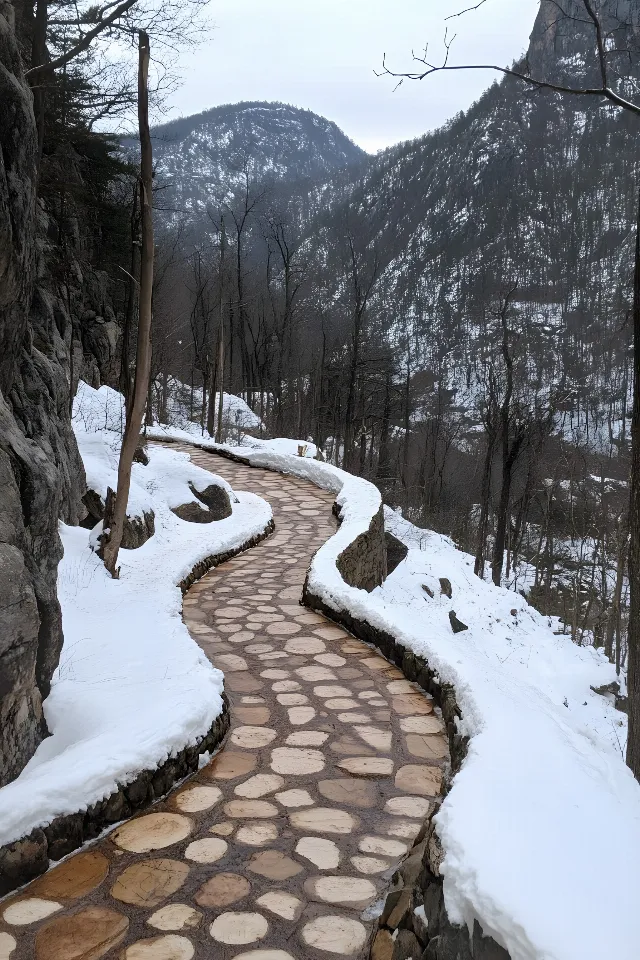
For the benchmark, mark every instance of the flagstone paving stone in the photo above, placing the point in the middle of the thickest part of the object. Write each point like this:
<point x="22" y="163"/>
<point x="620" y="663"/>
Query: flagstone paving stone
<point x="275" y="847"/>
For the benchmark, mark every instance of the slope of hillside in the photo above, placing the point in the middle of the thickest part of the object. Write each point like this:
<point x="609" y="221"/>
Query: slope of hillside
<point x="203" y="160"/>
<point x="526" y="187"/>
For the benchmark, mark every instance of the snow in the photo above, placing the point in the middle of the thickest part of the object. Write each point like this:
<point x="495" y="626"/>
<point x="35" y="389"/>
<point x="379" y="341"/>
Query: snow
<point x="541" y="828"/>
<point x="236" y="412"/>
<point x="132" y="687"/>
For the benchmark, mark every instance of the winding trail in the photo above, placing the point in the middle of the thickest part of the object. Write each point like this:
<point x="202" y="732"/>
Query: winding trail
<point x="282" y="847"/>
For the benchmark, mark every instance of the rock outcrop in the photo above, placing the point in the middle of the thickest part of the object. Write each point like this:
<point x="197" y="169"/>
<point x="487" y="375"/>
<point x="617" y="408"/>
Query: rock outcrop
<point x="40" y="470"/>
<point x="52" y="331"/>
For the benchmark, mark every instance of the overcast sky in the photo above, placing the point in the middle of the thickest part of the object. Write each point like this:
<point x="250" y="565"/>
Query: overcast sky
<point x="321" y="55"/>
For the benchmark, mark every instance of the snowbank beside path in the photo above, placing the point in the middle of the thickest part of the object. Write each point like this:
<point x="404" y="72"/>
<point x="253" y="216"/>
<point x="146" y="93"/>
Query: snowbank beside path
<point x="132" y="687"/>
<point x="541" y="829"/>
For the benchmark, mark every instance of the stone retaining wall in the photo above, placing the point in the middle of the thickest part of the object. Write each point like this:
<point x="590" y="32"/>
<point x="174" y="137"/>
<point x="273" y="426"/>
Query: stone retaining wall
<point x="416" y="892"/>
<point x="30" y="856"/>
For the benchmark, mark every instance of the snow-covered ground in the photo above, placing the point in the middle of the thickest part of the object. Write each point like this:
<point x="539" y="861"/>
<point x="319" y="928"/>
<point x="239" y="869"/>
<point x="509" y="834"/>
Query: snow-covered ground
<point x="184" y="408"/>
<point x="132" y="687"/>
<point x="541" y="829"/>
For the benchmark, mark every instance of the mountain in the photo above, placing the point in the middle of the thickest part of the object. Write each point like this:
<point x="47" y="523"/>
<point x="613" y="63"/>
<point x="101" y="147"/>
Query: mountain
<point x="203" y="160"/>
<point x="527" y="187"/>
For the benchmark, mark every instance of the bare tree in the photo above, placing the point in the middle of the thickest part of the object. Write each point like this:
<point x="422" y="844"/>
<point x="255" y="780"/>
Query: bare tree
<point x="116" y="505"/>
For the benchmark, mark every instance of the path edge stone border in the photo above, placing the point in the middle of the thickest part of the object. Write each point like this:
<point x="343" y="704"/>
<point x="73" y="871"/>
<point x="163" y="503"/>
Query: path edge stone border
<point x="28" y="857"/>
<point x="417" y="881"/>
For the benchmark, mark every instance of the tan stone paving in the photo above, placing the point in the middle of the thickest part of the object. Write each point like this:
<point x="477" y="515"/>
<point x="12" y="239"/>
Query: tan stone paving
<point x="284" y="843"/>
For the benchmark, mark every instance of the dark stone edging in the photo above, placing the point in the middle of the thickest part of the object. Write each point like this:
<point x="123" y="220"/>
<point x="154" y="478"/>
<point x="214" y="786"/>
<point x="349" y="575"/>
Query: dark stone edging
<point x="27" y="858"/>
<point x="401" y="934"/>
<point x="417" y="883"/>
<point x="30" y="856"/>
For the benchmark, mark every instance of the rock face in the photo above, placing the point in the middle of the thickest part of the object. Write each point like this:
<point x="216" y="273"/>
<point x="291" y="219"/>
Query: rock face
<point x="562" y="43"/>
<point x="40" y="469"/>
<point x="48" y="338"/>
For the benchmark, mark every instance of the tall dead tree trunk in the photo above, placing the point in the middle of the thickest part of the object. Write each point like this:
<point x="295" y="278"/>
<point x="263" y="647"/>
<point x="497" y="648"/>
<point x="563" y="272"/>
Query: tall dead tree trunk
<point x="633" y="680"/>
<point x="220" y="375"/>
<point x="115" y="516"/>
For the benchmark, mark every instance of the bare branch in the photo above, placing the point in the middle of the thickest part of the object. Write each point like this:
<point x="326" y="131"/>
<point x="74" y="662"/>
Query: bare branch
<point x="82" y="44"/>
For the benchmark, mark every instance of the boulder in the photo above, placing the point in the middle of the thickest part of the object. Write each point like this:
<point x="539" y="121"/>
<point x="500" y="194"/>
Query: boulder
<point x="136" y="531"/>
<point x="216" y="500"/>
<point x="396" y="551"/>
<point x="445" y="588"/>
<point x="456" y="625"/>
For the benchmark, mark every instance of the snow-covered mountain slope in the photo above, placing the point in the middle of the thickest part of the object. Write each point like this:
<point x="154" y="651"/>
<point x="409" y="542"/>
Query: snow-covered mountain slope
<point x="204" y="160"/>
<point x="525" y="187"/>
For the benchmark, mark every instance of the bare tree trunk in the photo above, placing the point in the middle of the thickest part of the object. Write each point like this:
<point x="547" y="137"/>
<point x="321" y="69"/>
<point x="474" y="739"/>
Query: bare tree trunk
<point x="633" y="742"/>
<point x="130" y="309"/>
<point x="220" y="376"/>
<point x="613" y="622"/>
<point x="485" y="495"/>
<point x="114" y="522"/>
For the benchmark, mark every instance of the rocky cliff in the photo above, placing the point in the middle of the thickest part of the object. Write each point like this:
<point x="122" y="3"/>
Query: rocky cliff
<point x="56" y="323"/>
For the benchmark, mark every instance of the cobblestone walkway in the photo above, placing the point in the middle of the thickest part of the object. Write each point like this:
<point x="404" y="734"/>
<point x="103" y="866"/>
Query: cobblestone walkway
<point x="283" y="846"/>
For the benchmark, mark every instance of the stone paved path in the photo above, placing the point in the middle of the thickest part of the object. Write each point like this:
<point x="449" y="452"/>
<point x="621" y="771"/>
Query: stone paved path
<point x="285" y="843"/>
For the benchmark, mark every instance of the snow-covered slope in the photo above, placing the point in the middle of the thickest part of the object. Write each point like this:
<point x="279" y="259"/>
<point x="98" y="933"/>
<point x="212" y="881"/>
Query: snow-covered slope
<point x="132" y="687"/>
<point x="203" y="160"/>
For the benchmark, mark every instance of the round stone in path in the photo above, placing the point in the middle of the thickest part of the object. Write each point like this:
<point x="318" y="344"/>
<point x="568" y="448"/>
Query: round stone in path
<point x="175" y="916"/>
<point x="252" y="738"/>
<point x="305" y="645"/>
<point x="170" y="947"/>
<point x="152" y="832"/>
<point x="295" y="798"/>
<point x="209" y="850"/>
<point x="427" y="747"/>
<point x="229" y="765"/>
<point x="274" y="865"/>
<point x="239" y="928"/>
<point x="89" y="933"/>
<point x="257" y="809"/>
<point x="298" y="716"/>
<point x="195" y="798"/>
<point x="324" y="820"/>
<point x="423" y="780"/>
<point x="74" y="878"/>
<point x="293" y="761"/>
<point x="380" y="845"/>
<point x="222" y="890"/>
<point x="370" y="865"/>
<point x="324" y="853"/>
<point x="356" y="892"/>
<point x="421" y="725"/>
<point x="307" y="738"/>
<point x="407" y="807"/>
<point x="257" y="834"/>
<point x="281" y="903"/>
<point x="283" y="628"/>
<point x="259" y="785"/>
<point x="29" y="910"/>
<point x="355" y="793"/>
<point x="146" y="883"/>
<point x="7" y="945"/>
<point x="334" y="935"/>
<point x="367" y="766"/>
